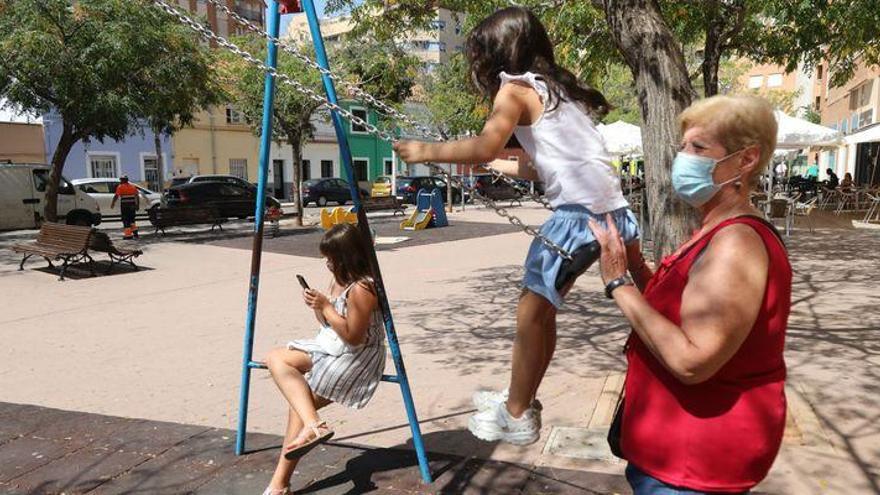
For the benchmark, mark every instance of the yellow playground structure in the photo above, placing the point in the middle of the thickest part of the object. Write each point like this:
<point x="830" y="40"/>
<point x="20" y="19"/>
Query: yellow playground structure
<point x="335" y="216"/>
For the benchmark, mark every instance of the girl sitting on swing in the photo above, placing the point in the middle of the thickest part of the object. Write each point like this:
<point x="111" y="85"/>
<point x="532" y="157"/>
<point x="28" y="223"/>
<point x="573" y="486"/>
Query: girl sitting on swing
<point x="342" y="364"/>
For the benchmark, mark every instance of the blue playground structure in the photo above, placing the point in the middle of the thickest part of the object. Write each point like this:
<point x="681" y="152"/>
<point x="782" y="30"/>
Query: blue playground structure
<point x="429" y="212"/>
<point x="400" y="378"/>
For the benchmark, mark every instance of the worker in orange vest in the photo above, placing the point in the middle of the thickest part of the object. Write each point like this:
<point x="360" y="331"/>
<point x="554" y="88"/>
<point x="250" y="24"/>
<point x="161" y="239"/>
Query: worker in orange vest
<point x="129" y="203"/>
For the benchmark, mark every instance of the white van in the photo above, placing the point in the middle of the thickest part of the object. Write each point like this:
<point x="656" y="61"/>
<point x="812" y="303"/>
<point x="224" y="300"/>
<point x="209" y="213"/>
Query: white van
<point x="22" y="198"/>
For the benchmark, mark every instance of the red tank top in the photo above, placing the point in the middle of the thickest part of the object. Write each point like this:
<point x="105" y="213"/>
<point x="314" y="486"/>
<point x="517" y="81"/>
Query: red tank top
<point x="722" y="434"/>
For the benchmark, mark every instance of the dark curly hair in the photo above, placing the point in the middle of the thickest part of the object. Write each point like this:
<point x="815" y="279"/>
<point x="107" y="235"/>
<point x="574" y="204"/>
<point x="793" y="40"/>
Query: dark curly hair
<point x="348" y="253"/>
<point x="513" y="40"/>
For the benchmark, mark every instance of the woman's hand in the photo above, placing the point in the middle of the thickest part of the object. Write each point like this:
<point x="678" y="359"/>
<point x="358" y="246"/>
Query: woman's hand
<point x="315" y="299"/>
<point x="612" y="262"/>
<point x="411" y="151"/>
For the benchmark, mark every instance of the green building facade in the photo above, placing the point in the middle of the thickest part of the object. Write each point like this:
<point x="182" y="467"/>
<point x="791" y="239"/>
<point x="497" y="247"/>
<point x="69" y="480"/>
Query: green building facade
<point x="371" y="156"/>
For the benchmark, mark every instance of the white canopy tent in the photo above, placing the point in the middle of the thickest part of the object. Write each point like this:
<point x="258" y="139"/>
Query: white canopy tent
<point x="795" y="133"/>
<point x="621" y="138"/>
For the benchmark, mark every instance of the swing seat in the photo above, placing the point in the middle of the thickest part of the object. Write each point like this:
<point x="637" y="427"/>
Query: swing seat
<point x="582" y="258"/>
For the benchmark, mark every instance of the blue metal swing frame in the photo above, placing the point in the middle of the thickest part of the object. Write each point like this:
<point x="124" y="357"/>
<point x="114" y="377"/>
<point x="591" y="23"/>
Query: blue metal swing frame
<point x="248" y="364"/>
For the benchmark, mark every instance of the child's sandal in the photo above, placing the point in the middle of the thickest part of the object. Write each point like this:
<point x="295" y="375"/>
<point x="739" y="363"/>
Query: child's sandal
<point x="322" y="434"/>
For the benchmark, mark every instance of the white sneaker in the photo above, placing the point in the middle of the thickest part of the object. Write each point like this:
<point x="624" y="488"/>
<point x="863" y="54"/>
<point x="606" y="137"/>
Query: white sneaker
<point x="488" y="399"/>
<point x="497" y="424"/>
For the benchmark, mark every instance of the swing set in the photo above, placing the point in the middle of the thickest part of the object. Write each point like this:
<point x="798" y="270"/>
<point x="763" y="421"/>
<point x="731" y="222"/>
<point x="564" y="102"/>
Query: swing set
<point x="330" y="102"/>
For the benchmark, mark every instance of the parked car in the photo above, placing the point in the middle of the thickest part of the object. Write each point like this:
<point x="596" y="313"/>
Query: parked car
<point x="103" y="191"/>
<point x="23" y="196"/>
<point x="495" y="188"/>
<point x="179" y="181"/>
<point x="323" y="191"/>
<point x="232" y="200"/>
<point x="381" y="187"/>
<point x="229" y="179"/>
<point x="408" y="188"/>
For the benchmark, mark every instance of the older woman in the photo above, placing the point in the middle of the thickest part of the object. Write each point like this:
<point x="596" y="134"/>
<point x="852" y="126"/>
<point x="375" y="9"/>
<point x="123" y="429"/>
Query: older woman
<point x="704" y="407"/>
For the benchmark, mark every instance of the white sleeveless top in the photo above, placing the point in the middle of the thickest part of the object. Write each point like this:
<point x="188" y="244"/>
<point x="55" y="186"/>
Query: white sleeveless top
<point x="568" y="153"/>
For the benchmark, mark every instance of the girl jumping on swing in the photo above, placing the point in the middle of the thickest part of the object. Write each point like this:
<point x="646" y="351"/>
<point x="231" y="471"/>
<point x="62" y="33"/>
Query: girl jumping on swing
<point x="552" y="115"/>
<point x="342" y="364"/>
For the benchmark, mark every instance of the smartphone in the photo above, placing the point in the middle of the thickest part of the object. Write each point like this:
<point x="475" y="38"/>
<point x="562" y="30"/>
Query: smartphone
<point x="302" y="282"/>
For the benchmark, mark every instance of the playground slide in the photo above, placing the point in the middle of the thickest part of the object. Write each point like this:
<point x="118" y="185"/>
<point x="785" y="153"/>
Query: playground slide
<point x="418" y="220"/>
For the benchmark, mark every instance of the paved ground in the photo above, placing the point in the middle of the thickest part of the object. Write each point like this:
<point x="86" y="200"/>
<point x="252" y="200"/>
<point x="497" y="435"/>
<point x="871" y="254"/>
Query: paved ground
<point x="52" y="451"/>
<point x="453" y="292"/>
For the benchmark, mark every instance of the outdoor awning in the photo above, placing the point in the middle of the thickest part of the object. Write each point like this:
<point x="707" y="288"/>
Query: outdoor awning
<point x="621" y="138"/>
<point x="797" y="133"/>
<point x="869" y="135"/>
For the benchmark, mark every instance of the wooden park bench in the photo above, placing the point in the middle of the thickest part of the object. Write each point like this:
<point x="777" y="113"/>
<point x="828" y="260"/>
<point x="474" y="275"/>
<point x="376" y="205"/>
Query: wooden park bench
<point x="118" y="254"/>
<point x="161" y="218"/>
<point x="67" y="243"/>
<point x="383" y="203"/>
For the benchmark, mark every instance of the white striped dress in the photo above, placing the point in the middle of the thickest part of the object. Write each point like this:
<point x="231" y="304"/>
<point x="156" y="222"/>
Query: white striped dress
<point x="351" y="378"/>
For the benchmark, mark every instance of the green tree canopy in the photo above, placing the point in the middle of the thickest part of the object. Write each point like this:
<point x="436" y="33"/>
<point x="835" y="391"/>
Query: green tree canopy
<point x="93" y="62"/>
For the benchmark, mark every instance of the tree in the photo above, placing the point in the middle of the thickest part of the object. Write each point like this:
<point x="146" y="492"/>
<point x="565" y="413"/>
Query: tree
<point x="379" y="68"/>
<point x="188" y="81"/>
<point x="651" y="38"/>
<point x="454" y="107"/>
<point x="89" y="60"/>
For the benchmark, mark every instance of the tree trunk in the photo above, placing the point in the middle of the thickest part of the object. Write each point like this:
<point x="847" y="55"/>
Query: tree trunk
<point x="161" y="165"/>
<point x="295" y="140"/>
<point x="68" y="139"/>
<point x="712" y="56"/>
<point x="664" y="90"/>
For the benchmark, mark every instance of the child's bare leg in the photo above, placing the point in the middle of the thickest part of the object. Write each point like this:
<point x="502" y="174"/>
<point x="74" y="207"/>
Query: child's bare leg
<point x="284" y="469"/>
<point x="529" y="350"/>
<point x="287" y="368"/>
<point x="549" y="349"/>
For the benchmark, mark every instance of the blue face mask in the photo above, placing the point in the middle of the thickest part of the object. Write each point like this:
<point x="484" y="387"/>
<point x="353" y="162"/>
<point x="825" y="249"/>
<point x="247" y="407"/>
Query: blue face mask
<point x="692" y="177"/>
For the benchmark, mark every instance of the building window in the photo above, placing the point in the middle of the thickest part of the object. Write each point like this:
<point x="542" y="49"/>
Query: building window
<point x="360" y="169"/>
<point x="457" y="28"/>
<point x="361" y="114"/>
<point x="438" y="25"/>
<point x="102" y="166"/>
<point x="866" y="118"/>
<point x="866" y="93"/>
<point x="818" y="102"/>
<point x="238" y="168"/>
<point x="234" y="117"/>
<point x="151" y="173"/>
<point x="854" y="123"/>
<point x="774" y="80"/>
<point x="756" y="82"/>
<point x="819" y="72"/>
<point x="843" y="125"/>
<point x="326" y="168"/>
<point x="435" y="46"/>
<point x="389" y="166"/>
<point x="305" y="170"/>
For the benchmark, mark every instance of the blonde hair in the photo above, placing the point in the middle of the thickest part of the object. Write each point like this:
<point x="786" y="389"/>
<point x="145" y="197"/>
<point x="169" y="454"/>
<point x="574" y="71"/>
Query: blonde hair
<point x="737" y="122"/>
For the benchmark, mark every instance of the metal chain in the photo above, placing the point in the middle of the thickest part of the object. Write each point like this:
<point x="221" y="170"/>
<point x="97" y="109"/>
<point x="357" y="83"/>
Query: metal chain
<point x="354" y="89"/>
<point x="323" y="102"/>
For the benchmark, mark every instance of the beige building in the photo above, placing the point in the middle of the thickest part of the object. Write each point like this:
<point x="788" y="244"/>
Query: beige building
<point x="218" y="142"/>
<point x="853" y="109"/>
<point x="21" y="137"/>
<point x="433" y="46"/>
<point x="767" y="79"/>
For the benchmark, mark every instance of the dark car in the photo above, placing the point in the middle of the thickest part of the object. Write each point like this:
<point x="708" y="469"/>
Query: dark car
<point x="323" y="191"/>
<point x="232" y="200"/>
<point x="408" y="188"/>
<point x="495" y="188"/>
